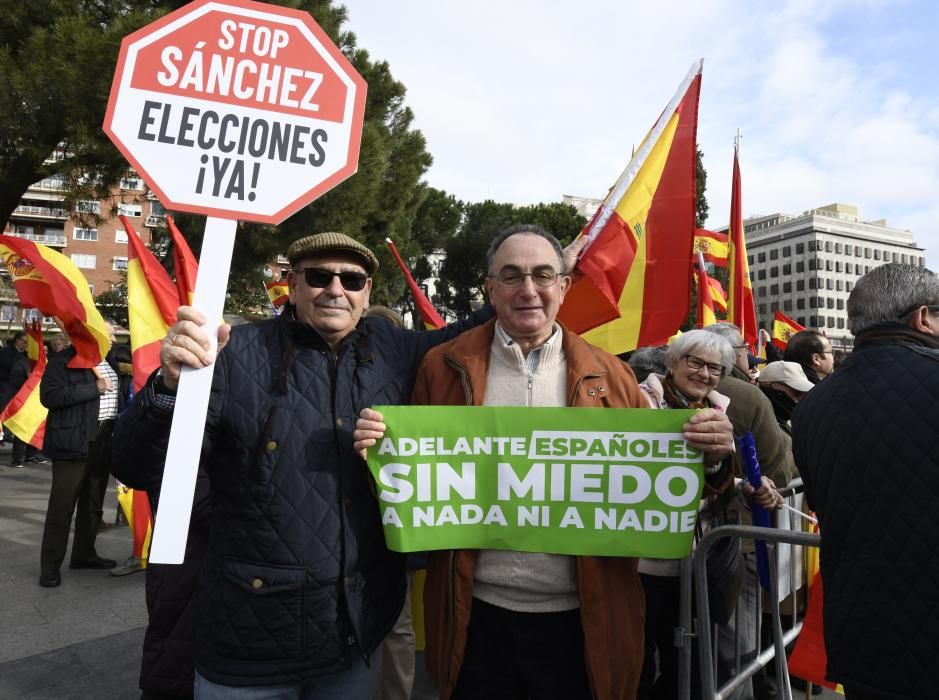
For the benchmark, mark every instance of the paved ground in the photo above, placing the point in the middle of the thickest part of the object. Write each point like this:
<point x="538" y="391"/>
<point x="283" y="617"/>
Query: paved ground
<point x="82" y="639"/>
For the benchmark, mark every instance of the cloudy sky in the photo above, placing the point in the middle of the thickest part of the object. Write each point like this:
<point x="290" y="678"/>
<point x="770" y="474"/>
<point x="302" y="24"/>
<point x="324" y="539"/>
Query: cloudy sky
<point x="525" y="101"/>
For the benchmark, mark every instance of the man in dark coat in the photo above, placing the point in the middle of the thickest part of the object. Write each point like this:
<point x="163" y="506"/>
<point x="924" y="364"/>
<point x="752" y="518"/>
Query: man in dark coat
<point x="297" y="588"/>
<point x="72" y="397"/>
<point x="811" y="349"/>
<point x="867" y="444"/>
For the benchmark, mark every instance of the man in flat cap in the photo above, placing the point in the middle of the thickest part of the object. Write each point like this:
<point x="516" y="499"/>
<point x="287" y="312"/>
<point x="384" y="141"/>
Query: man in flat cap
<point x="298" y="589"/>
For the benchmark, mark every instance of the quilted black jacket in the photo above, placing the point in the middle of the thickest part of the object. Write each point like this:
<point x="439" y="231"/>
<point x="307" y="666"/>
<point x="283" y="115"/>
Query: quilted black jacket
<point x="866" y="441"/>
<point x="72" y="397"/>
<point x="297" y="573"/>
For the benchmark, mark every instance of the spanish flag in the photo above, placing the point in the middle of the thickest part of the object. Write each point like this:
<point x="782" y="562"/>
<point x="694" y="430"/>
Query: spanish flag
<point x="152" y="300"/>
<point x="718" y="295"/>
<point x="184" y="264"/>
<point x="25" y="416"/>
<point x="712" y="245"/>
<point x="740" y="308"/>
<point x="783" y="328"/>
<point x="47" y="280"/>
<point x="136" y="507"/>
<point x="429" y="314"/>
<point x="705" y="315"/>
<point x="279" y="293"/>
<point x="636" y="283"/>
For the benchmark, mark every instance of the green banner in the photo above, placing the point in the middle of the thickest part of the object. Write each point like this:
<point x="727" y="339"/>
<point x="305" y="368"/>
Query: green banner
<point x="608" y="482"/>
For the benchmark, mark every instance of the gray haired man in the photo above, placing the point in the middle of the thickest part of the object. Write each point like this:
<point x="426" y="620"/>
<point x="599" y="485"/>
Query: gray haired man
<point x="867" y="443"/>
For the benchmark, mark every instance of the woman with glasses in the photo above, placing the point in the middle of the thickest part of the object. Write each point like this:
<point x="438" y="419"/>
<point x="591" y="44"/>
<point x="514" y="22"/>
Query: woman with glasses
<point x="694" y="364"/>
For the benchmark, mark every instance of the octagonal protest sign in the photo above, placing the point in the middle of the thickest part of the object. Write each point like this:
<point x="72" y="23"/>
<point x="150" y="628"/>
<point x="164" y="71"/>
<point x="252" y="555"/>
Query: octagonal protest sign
<point x="236" y="109"/>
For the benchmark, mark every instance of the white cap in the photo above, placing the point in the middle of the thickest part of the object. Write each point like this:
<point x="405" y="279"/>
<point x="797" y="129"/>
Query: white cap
<point x="789" y="373"/>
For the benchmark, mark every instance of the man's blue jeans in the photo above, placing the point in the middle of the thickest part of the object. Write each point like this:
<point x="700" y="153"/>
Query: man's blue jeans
<point x="358" y="682"/>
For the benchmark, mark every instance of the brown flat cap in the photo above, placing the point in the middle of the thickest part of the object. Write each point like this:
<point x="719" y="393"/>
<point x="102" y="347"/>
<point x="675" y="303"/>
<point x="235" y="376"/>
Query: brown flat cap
<point x="321" y="244"/>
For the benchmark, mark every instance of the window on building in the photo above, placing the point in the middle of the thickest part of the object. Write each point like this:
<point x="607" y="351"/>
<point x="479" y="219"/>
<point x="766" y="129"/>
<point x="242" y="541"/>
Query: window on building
<point x="830" y="303"/>
<point x="761" y="291"/>
<point x="831" y="321"/>
<point x="750" y="260"/>
<point x="820" y="323"/>
<point x="857" y="251"/>
<point x="774" y="290"/>
<point x="120" y="236"/>
<point x="787" y="305"/>
<point x="800" y="266"/>
<point x="838" y="266"/>
<point x="813" y="303"/>
<point x="800" y="304"/>
<point x="828" y="246"/>
<point x="787" y="287"/>
<point x="130" y="210"/>
<point x="800" y="285"/>
<point x="762" y="309"/>
<point x="840" y="323"/>
<point x="761" y="257"/>
<point x="801" y="320"/>
<point x="867" y="268"/>
<point x="829" y="283"/>
<point x="787" y="251"/>
<point x="157" y="209"/>
<point x="839" y="304"/>
<point x="812" y="263"/>
<point x="813" y="322"/>
<point x="876" y="254"/>
<point x="848" y="286"/>
<point x="85" y="234"/>
<point x="761" y="275"/>
<point x="812" y="246"/>
<point x="787" y="269"/>
<point x="800" y="248"/>
<point x="131" y="183"/>
<point x="119" y="264"/>
<point x="828" y="265"/>
<point x="8" y="313"/>
<point x="838" y="248"/>
<point x="904" y="259"/>
<point x="813" y="282"/>
<point x="88" y="207"/>
<point x="774" y="272"/>
<point x="85" y="261"/>
<point x="774" y="254"/>
<point x="867" y="253"/>
<point x="839" y="285"/>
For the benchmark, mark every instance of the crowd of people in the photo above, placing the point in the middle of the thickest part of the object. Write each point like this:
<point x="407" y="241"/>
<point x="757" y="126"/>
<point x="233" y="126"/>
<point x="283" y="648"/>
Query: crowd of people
<point x="289" y="591"/>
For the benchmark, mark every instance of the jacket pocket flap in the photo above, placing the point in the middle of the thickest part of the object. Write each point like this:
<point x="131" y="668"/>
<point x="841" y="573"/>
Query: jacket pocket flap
<point x="264" y="579"/>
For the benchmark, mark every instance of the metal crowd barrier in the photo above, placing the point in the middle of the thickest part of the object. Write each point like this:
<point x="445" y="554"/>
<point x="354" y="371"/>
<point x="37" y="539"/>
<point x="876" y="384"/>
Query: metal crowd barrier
<point x="695" y="626"/>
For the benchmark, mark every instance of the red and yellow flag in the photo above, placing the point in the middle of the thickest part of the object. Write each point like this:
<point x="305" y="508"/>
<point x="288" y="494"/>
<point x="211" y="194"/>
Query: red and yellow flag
<point x="152" y="300"/>
<point x="25" y="416"/>
<point x="184" y="264"/>
<point x="712" y="245"/>
<point x="705" y="315"/>
<point x="718" y="295"/>
<point x="740" y="307"/>
<point x="428" y="313"/>
<point x="636" y="283"/>
<point x="47" y="280"/>
<point x="783" y="328"/>
<point x="279" y="293"/>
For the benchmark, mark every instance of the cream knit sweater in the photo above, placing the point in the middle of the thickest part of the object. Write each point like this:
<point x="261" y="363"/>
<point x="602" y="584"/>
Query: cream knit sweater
<point x="526" y="581"/>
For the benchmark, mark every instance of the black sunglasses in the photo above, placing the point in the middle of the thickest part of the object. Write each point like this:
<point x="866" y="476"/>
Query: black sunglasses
<point x="319" y="278"/>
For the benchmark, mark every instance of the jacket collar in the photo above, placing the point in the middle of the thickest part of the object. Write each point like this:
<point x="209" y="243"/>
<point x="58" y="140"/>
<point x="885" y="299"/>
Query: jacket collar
<point x="470" y="351"/>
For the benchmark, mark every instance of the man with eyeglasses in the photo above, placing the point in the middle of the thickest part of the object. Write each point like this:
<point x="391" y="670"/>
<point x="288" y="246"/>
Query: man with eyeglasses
<point x="867" y="444"/>
<point x="811" y="349"/>
<point x="504" y="624"/>
<point x="297" y="589"/>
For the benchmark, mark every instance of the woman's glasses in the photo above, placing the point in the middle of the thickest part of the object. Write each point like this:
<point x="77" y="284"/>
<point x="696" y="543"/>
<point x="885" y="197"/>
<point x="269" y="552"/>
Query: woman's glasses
<point x="697" y="363"/>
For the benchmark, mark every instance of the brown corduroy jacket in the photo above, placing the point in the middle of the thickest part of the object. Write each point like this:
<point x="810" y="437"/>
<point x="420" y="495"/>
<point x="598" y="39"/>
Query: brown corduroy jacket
<point x="612" y="604"/>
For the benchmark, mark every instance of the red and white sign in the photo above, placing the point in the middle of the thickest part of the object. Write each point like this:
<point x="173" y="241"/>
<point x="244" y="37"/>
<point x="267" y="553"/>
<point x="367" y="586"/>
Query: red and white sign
<point x="236" y="109"/>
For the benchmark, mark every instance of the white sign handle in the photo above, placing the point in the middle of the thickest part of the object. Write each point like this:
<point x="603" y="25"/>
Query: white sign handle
<point x="171" y="529"/>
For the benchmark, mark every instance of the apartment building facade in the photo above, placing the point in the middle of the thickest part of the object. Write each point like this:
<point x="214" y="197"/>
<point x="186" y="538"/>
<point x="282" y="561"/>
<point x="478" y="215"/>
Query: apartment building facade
<point x="807" y="265"/>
